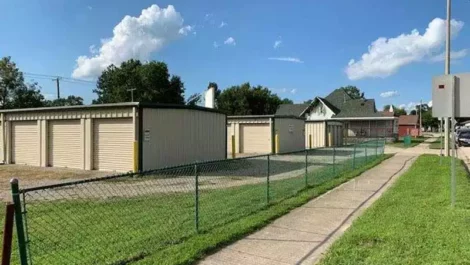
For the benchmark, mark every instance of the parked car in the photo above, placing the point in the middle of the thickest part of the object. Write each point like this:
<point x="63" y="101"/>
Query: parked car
<point x="463" y="138"/>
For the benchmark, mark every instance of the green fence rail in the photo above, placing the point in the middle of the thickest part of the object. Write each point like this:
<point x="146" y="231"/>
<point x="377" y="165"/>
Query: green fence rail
<point x="117" y="219"/>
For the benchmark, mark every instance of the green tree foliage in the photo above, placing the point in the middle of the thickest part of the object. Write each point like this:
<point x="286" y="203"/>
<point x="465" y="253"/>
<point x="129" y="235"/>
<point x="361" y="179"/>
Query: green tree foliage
<point x="247" y="100"/>
<point x="413" y="112"/>
<point x="428" y="120"/>
<point x="287" y="101"/>
<point x="151" y="81"/>
<point x="15" y="92"/>
<point x="353" y="91"/>
<point x="400" y="111"/>
<point x="308" y="101"/>
<point x="68" y="101"/>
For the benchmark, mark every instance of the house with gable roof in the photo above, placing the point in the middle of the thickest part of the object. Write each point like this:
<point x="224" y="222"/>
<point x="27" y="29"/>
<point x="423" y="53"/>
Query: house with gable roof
<point x="337" y="116"/>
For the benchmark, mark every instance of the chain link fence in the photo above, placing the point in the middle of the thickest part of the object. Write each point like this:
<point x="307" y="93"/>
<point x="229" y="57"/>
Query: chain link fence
<point x="122" y="218"/>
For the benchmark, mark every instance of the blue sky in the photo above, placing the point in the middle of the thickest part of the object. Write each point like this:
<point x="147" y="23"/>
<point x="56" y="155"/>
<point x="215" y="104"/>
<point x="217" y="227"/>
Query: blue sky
<point x="316" y="42"/>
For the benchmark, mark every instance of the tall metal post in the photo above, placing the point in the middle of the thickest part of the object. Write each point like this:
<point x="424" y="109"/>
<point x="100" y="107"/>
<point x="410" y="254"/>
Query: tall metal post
<point x="354" y="156"/>
<point x="447" y="71"/>
<point x="334" y="161"/>
<point x="441" y="140"/>
<point x="365" y="149"/>
<point x="453" y="179"/>
<point x="306" y="168"/>
<point x="196" y="202"/>
<point x="15" y="192"/>
<point x="267" y="180"/>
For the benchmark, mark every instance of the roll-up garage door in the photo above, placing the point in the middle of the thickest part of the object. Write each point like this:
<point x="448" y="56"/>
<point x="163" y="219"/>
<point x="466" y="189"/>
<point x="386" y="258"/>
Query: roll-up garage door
<point x="25" y="143"/>
<point x="113" y="144"/>
<point x="65" y="147"/>
<point x="255" y="138"/>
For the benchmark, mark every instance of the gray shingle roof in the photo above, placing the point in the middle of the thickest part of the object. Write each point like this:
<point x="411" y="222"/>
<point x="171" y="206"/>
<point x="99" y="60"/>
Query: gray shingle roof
<point x="291" y="109"/>
<point x="338" y="97"/>
<point x="358" y="108"/>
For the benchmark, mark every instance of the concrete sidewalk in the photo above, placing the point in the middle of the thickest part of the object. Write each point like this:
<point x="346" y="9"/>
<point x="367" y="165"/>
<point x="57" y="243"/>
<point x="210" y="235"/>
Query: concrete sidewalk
<point x="303" y="235"/>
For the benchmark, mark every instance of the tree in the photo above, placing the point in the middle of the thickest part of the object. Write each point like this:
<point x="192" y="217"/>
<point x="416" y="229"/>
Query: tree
<point x="151" y="81"/>
<point x="353" y="91"/>
<point x="399" y="112"/>
<point x="413" y="112"/>
<point x="308" y="101"/>
<point x="287" y="101"/>
<point x="428" y="120"/>
<point x="247" y="100"/>
<point x="15" y="92"/>
<point x="68" y="101"/>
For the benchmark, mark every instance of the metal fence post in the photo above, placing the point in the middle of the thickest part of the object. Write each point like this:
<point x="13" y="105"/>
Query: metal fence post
<point x="8" y="233"/>
<point x="196" y="203"/>
<point x="267" y="181"/>
<point x="306" y="168"/>
<point x="19" y="221"/>
<point x="365" y="148"/>
<point x="354" y="156"/>
<point x="334" y="160"/>
<point x="376" y="146"/>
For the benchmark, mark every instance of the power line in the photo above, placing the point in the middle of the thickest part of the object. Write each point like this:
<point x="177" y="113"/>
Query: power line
<point x="57" y="76"/>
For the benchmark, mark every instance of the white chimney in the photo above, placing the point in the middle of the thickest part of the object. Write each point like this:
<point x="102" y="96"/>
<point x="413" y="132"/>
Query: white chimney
<point x="391" y="109"/>
<point x="209" y="97"/>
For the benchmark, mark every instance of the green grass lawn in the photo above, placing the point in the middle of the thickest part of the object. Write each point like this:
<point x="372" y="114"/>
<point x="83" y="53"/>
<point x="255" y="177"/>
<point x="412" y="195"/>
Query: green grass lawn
<point x="412" y="223"/>
<point x="414" y="142"/>
<point x="160" y="228"/>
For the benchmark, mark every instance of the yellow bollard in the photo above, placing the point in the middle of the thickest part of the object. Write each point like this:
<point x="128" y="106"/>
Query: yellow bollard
<point x="310" y="141"/>
<point x="233" y="146"/>
<point x="136" y="156"/>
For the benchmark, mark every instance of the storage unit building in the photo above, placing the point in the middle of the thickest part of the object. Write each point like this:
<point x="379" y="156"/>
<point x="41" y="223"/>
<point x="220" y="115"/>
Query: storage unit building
<point x="112" y="137"/>
<point x="318" y="133"/>
<point x="256" y="134"/>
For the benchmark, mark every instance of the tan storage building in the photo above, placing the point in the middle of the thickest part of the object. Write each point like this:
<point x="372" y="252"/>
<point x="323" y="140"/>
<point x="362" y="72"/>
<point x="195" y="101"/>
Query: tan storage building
<point x="256" y="134"/>
<point x="320" y="133"/>
<point x="112" y="137"/>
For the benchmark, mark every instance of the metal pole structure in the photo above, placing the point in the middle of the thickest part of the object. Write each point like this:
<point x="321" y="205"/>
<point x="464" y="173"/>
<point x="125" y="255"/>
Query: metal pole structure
<point x="267" y="181"/>
<point x="453" y="180"/>
<point x="420" y="119"/>
<point x="57" y="86"/>
<point x="441" y="140"/>
<point x="334" y="162"/>
<point x="132" y="93"/>
<point x="196" y="203"/>
<point x="8" y="233"/>
<point x="15" y="192"/>
<point x="354" y="156"/>
<point x="447" y="71"/>
<point x="306" y="168"/>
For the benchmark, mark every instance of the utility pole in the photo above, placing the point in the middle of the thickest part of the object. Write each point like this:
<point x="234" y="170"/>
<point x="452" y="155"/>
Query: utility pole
<point x="447" y="71"/>
<point x="420" y="119"/>
<point x="132" y="93"/>
<point x="58" y="86"/>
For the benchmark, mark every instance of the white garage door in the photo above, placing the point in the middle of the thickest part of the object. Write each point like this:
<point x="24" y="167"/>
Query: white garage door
<point x="229" y="139"/>
<point x="65" y="147"/>
<point x="25" y="143"/>
<point x="113" y="144"/>
<point x="255" y="138"/>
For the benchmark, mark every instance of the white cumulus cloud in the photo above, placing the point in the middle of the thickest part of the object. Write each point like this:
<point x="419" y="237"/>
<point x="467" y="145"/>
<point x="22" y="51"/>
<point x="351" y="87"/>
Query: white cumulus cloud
<point x="230" y="41"/>
<point x="286" y="59"/>
<point x="386" y="55"/>
<point x="454" y="55"/>
<point x="430" y="103"/>
<point x="277" y="44"/>
<point x="389" y="94"/>
<point x="222" y="24"/>
<point x="134" y="37"/>
<point x="293" y="91"/>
